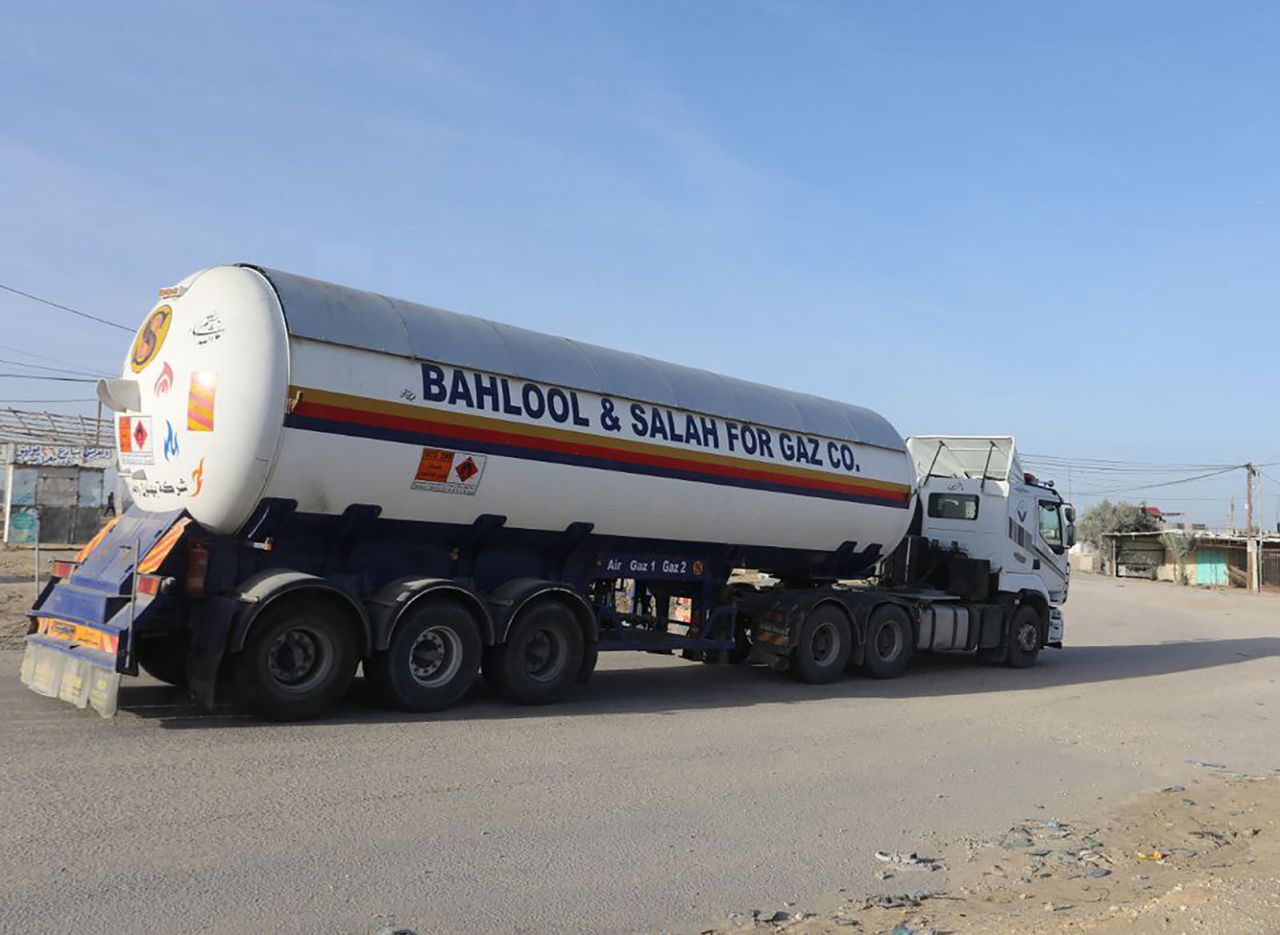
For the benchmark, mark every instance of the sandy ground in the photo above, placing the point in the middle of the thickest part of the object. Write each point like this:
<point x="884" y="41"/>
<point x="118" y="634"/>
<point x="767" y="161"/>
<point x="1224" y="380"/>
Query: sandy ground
<point x="1198" y="858"/>
<point x="670" y="796"/>
<point x="18" y="588"/>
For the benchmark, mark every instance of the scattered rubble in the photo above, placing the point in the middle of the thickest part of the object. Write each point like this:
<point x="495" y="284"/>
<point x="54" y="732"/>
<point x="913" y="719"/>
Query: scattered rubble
<point x="911" y="899"/>
<point x="912" y="861"/>
<point x="1210" y="864"/>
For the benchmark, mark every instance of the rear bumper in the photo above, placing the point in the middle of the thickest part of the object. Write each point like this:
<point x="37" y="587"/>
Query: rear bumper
<point x="80" y="675"/>
<point x="85" y="620"/>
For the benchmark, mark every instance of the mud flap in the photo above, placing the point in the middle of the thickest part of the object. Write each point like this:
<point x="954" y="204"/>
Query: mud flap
<point x="211" y="626"/>
<point x="54" y="672"/>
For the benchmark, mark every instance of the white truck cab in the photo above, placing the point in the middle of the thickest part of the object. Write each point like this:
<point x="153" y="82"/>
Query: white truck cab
<point x="975" y="498"/>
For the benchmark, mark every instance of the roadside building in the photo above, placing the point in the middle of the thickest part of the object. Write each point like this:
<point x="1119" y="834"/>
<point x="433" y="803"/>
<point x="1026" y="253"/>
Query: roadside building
<point x="1083" y="557"/>
<point x="54" y="474"/>
<point x="1201" y="558"/>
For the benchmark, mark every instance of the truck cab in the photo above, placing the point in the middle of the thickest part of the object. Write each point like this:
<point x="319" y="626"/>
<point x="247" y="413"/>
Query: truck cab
<point x="976" y="499"/>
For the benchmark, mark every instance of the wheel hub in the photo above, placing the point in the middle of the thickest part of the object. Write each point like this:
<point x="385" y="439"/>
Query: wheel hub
<point x="435" y="656"/>
<point x="294" y="657"/>
<point x="887" y="640"/>
<point x="543" y="655"/>
<point x="825" y="644"/>
<point x="1028" y="637"/>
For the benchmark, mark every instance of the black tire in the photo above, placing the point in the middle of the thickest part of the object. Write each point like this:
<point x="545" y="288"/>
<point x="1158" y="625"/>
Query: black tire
<point x="298" y="661"/>
<point x="540" y="658"/>
<point x="432" y="659"/>
<point x="590" y="656"/>
<point x="164" y="657"/>
<point x="742" y="643"/>
<point x="1024" y="637"/>
<point x="822" y="652"/>
<point x="489" y="669"/>
<point x="889" y="642"/>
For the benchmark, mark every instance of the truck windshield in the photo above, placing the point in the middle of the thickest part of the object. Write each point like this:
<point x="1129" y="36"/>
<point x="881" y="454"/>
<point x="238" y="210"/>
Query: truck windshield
<point x="1051" y="524"/>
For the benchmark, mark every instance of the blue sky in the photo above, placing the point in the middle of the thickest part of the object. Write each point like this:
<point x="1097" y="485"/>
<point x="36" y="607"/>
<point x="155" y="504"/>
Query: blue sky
<point x="1052" y="220"/>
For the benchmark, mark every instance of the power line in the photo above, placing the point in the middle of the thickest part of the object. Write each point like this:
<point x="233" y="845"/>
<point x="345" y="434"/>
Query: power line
<point x="46" y="401"/>
<point x="65" y="308"/>
<point x="31" y="376"/>
<point x="30" y="353"/>
<point x="83" y="373"/>
<point x="1169" y="483"/>
<point x="1105" y="462"/>
<point x="1218" y="499"/>
<point x="1084" y="467"/>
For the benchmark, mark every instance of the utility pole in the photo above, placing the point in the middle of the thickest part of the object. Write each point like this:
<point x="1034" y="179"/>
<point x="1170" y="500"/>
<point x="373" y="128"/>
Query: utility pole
<point x="1262" y="506"/>
<point x="1251" y="551"/>
<point x="1248" y="503"/>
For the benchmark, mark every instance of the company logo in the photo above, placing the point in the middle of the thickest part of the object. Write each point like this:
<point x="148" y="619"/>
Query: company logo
<point x="164" y="382"/>
<point x="150" y="338"/>
<point x="170" y="441"/>
<point x="198" y="477"/>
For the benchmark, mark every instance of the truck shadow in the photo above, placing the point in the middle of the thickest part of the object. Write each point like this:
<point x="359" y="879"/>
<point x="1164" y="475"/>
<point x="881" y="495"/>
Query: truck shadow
<point x="672" y="686"/>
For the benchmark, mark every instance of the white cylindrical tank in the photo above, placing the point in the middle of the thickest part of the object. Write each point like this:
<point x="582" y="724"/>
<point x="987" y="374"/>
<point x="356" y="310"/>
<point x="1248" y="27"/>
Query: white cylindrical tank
<point x="245" y="383"/>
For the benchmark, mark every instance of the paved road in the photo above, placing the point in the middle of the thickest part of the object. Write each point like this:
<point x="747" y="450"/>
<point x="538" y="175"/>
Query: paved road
<point x="661" y="795"/>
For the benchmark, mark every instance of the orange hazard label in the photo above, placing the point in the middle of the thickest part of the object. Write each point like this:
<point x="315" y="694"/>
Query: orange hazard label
<point x="434" y="465"/>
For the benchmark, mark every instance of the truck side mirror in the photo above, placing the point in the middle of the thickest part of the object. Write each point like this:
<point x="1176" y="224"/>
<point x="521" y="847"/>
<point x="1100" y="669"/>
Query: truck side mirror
<point x="1070" y="538"/>
<point x="1069" y="514"/>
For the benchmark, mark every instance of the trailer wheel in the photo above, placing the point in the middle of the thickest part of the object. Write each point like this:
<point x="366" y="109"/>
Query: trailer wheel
<point x="888" y="648"/>
<point x="298" y="661"/>
<point x="432" y="659"/>
<point x="540" y="658"/>
<point x="1024" y="637"/>
<point x="743" y="643"/>
<point x="590" y="656"/>
<point x="164" y="657"/>
<point x="822" y="652"/>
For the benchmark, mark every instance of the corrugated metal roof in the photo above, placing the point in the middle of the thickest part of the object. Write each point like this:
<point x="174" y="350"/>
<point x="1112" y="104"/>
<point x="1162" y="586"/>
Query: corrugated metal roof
<point x="336" y="314"/>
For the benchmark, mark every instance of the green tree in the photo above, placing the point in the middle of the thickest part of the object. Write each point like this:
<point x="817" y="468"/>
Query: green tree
<point x="1106" y="517"/>
<point x="1180" y="545"/>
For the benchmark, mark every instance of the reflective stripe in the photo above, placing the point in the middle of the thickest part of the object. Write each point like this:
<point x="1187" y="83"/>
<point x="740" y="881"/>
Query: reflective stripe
<point x="96" y="540"/>
<point x="160" y="551"/>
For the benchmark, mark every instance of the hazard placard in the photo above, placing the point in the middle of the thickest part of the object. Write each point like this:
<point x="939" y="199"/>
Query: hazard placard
<point x="133" y="439"/>
<point x="457" y="472"/>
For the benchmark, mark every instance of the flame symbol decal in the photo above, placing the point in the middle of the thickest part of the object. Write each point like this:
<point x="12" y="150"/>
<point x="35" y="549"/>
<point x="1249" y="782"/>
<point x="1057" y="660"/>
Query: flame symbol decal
<point x="164" y="381"/>
<point x="170" y="441"/>
<point x="198" y="476"/>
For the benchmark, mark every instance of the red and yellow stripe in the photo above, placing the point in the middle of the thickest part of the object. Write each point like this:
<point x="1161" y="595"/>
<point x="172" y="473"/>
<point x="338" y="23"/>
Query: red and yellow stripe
<point x="340" y="413"/>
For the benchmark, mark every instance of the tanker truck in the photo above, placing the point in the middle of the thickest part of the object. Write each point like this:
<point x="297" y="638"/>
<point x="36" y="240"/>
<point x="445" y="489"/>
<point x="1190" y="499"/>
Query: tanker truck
<point x="324" y="479"/>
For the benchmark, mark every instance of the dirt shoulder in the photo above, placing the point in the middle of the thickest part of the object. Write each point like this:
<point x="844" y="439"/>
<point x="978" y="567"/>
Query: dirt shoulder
<point x="18" y="590"/>
<point x="1202" y="857"/>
